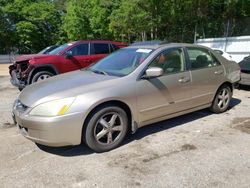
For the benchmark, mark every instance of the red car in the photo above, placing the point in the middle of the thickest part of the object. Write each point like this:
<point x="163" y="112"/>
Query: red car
<point x="28" y="69"/>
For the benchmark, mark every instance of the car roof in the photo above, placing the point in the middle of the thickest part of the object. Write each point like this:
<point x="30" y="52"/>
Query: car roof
<point x="170" y="45"/>
<point x="98" y="41"/>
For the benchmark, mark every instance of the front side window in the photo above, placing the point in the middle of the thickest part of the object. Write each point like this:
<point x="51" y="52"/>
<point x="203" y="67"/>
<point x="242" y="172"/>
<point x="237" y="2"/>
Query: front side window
<point x="121" y="62"/>
<point x="171" y="61"/>
<point x="81" y="49"/>
<point x="201" y="58"/>
<point x="100" y="48"/>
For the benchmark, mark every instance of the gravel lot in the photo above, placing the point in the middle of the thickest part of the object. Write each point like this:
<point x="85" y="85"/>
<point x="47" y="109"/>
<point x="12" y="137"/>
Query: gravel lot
<point x="200" y="149"/>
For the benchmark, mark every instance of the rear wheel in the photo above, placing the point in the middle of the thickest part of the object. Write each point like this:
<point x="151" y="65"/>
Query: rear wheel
<point x="106" y="129"/>
<point x="40" y="76"/>
<point x="221" y="100"/>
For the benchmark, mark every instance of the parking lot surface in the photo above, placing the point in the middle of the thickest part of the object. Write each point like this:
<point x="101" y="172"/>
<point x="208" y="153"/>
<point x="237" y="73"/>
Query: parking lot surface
<point x="199" y="149"/>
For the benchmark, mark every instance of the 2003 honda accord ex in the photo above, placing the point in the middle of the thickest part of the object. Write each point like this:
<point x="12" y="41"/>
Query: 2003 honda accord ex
<point x="133" y="87"/>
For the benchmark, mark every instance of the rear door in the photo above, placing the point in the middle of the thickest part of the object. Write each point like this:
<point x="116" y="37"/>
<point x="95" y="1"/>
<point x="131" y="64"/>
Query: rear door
<point x="98" y="51"/>
<point x="169" y="93"/>
<point x="207" y="74"/>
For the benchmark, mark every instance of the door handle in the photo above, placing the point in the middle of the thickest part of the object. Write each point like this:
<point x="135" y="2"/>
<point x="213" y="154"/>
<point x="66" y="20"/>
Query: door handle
<point x="184" y="80"/>
<point x="218" y="72"/>
<point x="87" y="60"/>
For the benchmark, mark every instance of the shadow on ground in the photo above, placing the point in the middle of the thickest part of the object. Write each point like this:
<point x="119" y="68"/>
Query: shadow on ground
<point x="82" y="149"/>
<point x="244" y="87"/>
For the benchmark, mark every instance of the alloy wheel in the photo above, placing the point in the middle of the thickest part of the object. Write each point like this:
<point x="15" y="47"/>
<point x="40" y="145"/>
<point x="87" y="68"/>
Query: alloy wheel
<point x="108" y="128"/>
<point x="43" y="77"/>
<point x="223" y="98"/>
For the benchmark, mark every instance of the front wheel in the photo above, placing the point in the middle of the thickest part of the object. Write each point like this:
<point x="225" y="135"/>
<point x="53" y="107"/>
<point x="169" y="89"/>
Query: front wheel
<point x="40" y="76"/>
<point x="106" y="129"/>
<point x="221" y="100"/>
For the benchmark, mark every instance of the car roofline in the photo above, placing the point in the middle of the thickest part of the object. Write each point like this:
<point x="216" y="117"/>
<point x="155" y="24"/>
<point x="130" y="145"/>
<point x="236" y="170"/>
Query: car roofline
<point x="170" y="45"/>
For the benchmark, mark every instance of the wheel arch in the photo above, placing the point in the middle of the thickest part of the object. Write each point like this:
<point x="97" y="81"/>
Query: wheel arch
<point x="117" y="103"/>
<point x="227" y="83"/>
<point x="47" y="67"/>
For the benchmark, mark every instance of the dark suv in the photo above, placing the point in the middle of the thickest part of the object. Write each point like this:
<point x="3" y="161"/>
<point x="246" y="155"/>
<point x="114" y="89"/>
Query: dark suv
<point x="28" y="69"/>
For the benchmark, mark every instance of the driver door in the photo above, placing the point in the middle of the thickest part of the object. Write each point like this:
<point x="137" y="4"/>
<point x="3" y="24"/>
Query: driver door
<point x="79" y="57"/>
<point x="167" y="94"/>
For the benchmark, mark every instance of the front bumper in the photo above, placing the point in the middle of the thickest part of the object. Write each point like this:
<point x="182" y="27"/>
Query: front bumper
<point x="51" y="131"/>
<point x="15" y="81"/>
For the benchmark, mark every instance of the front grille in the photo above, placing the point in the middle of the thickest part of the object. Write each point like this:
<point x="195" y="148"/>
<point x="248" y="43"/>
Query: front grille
<point x="23" y="66"/>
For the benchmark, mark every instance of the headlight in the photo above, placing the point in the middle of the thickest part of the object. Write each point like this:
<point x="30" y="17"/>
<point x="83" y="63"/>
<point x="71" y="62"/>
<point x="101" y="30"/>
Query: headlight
<point x="52" y="108"/>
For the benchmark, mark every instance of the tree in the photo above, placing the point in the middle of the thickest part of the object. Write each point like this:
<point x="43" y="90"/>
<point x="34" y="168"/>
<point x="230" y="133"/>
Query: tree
<point x="76" y="20"/>
<point x="35" y="24"/>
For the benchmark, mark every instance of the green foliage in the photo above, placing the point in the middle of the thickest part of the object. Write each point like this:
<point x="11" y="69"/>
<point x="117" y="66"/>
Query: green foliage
<point x="31" y="25"/>
<point x="76" y="22"/>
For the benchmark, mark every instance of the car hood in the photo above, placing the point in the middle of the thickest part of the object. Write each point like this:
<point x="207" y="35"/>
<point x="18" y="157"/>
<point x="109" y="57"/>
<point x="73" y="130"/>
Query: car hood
<point x="65" y="85"/>
<point x="31" y="56"/>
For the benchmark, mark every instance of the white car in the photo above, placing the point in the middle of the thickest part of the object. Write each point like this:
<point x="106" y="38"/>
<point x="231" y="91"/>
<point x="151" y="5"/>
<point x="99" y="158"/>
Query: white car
<point x="224" y="54"/>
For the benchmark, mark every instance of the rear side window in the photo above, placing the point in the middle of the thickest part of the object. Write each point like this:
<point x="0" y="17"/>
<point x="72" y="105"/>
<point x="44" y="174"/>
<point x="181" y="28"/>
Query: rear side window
<point x="100" y="48"/>
<point x="201" y="58"/>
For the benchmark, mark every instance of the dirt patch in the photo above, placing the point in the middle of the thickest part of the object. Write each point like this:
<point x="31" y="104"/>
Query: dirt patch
<point x="186" y="147"/>
<point x="7" y="125"/>
<point x="242" y="124"/>
<point x="2" y="89"/>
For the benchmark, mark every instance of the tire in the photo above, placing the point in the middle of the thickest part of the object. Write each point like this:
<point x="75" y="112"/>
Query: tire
<point x="106" y="129"/>
<point x="221" y="100"/>
<point x="41" y="75"/>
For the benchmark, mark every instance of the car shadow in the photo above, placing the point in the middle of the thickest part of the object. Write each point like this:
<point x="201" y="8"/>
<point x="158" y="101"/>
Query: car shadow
<point x="174" y="122"/>
<point x="244" y="87"/>
<point x="82" y="149"/>
<point x="67" y="151"/>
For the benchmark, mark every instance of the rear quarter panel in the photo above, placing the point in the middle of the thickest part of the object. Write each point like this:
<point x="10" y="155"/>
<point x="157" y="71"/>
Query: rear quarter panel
<point x="232" y="69"/>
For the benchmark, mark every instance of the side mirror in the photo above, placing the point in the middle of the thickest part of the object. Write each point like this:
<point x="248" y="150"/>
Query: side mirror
<point x="153" y="72"/>
<point x="68" y="54"/>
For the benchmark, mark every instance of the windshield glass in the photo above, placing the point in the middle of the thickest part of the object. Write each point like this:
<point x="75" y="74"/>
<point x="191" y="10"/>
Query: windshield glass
<point x="60" y="48"/>
<point x="44" y="50"/>
<point x="122" y="62"/>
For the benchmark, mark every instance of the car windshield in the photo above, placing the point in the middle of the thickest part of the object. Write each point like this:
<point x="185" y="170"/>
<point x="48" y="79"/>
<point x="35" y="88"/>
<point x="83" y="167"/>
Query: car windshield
<point x="60" y="48"/>
<point x="48" y="49"/>
<point x="122" y="62"/>
<point x="44" y="50"/>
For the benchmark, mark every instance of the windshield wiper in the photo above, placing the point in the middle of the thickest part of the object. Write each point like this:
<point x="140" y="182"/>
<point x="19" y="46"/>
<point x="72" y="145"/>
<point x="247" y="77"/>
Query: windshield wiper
<point x="99" y="72"/>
